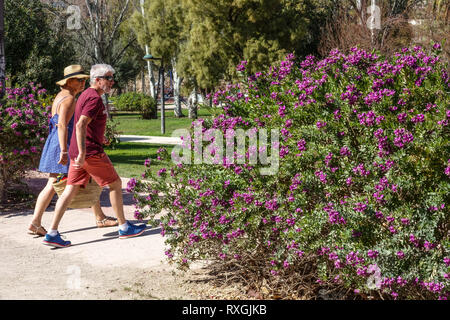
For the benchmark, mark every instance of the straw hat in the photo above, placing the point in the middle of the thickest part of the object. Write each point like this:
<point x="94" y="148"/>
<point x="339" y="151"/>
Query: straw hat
<point x="73" y="71"/>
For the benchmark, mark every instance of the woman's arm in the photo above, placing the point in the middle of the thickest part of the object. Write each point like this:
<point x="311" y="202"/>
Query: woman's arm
<point x="66" y="110"/>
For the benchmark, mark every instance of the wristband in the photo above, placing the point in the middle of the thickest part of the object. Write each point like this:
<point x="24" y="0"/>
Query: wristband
<point x="64" y="152"/>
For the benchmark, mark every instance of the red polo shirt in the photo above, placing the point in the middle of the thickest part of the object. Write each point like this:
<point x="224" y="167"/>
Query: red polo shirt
<point x="90" y="104"/>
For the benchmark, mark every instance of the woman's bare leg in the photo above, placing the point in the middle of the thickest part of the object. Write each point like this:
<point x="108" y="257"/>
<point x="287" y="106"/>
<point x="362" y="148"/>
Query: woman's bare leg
<point x="43" y="200"/>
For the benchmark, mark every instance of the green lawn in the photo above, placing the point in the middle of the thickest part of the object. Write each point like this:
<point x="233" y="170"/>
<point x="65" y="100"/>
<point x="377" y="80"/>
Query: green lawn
<point x="132" y="124"/>
<point x="128" y="158"/>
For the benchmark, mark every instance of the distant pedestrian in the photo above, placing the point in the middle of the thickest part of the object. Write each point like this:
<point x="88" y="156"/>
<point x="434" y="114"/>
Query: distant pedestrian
<point x="88" y="158"/>
<point x="54" y="158"/>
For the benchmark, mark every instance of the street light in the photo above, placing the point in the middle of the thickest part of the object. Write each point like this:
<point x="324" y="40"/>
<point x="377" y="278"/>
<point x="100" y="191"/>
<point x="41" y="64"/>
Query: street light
<point x="149" y="57"/>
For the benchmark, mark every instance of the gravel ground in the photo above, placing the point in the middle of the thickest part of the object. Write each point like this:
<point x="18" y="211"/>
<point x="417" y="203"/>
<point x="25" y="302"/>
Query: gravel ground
<point x="98" y="265"/>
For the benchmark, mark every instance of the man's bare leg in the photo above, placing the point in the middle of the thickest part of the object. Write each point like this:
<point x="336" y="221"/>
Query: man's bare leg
<point x="116" y="198"/>
<point x="63" y="202"/>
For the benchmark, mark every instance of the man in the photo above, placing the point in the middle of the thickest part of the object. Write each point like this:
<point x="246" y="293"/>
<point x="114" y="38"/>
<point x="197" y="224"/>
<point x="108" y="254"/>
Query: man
<point x="88" y="160"/>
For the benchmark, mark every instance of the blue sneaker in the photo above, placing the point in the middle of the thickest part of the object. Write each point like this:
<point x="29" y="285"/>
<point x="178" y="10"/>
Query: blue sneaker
<point x="56" y="241"/>
<point x="133" y="231"/>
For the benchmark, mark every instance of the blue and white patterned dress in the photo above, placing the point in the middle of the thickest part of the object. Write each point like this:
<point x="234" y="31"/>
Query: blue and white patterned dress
<point x="51" y="152"/>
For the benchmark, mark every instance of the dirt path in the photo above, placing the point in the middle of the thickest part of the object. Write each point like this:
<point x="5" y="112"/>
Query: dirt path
<point x="98" y="265"/>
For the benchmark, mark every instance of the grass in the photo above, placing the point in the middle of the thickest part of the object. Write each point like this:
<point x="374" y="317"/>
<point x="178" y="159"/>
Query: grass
<point x="130" y="123"/>
<point x="128" y="158"/>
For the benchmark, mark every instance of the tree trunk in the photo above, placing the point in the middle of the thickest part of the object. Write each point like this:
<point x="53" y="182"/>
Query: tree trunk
<point x="193" y="104"/>
<point x="105" y="98"/>
<point x="157" y="86"/>
<point x="153" y="88"/>
<point x="176" y="91"/>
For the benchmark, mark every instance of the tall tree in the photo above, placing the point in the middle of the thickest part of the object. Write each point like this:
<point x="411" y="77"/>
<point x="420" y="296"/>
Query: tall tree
<point x="37" y="48"/>
<point x="221" y="33"/>
<point x="160" y="28"/>
<point x="206" y="39"/>
<point x="2" y="50"/>
<point x="100" y="29"/>
<point x="101" y="38"/>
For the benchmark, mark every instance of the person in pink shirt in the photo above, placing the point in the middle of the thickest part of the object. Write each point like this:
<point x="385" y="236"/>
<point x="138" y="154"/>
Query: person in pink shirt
<point x="88" y="159"/>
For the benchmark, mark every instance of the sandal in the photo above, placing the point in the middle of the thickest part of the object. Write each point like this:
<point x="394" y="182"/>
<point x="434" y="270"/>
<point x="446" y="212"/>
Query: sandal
<point x="107" y="222"/>
<point x="37" y="231"/>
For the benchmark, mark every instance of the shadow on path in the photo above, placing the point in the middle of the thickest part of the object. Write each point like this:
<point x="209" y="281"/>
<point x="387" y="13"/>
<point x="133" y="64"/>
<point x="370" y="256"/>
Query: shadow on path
<point x="112" y="236"/>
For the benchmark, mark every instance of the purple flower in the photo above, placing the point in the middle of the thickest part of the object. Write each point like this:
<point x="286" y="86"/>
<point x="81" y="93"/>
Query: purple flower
<point x="349" y="181"/>
<point x="161" y="171"/>
<point x="392" y="230"/>
<point x="372" y="254"/>
<point x="345" y="152"/>
<point x="405" y="221"/>
<point x="428" y="245"/>
<point x="321" y="124"/>
<point x="418" y="118"/>
<point x="402" y="137"/>
<point x="271" y="205"/>
<point x="138" y="215"/>
<point x="301" y="145"/>
<point x="242" y="66"/>
<point x="360" y="207"/>
<point x="322" y="176"/>
<point x="402" y="117"/>
<point x="131" y="185"/>
<point x="334" y="217"/>
<point x="413" y="240"/>
<point x="447" y="261"/>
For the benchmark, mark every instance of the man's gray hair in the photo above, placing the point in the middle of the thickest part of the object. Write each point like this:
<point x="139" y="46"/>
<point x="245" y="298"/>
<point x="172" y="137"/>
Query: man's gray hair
<point x="99" y="70"/>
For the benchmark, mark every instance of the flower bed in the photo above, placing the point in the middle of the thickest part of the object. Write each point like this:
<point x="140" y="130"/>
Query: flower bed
<point x="24" y="115"/>
<point x="362" y="188"/>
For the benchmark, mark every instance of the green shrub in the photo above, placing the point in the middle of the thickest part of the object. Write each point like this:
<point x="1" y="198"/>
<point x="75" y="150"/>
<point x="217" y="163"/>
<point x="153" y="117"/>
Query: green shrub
<point x="112" y="134"/>
<point x="361" y="194"/>
<point x="140" y="102"/>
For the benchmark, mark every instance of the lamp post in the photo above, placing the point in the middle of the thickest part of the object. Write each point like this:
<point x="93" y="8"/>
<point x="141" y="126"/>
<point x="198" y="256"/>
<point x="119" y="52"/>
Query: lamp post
<point x="149" y="57"/>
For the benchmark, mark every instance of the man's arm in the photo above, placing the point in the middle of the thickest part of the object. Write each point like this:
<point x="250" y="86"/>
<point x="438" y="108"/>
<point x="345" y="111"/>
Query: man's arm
<point x="81" y="139"/>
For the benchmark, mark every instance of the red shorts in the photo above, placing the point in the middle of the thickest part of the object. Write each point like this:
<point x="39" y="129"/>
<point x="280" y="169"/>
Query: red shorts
<point x="98" y="166"/>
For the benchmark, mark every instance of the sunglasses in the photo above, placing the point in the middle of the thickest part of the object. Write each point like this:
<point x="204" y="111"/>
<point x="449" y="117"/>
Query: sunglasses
<point x="109" y="78"/>
<point x="81" y="80"/>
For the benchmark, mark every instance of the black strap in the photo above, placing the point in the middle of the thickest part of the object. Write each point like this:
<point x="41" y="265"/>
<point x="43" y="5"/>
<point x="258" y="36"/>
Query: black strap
<point x="73" y="74"/>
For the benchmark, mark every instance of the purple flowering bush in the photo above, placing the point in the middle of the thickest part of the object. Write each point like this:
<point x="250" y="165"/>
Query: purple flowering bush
<point x="362" y="190"/>
<point x="24" y="116"/>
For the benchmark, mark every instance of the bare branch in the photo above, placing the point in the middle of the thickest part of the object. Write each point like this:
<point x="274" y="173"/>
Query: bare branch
<point x="119" y="55"/>
<point x="118" y="22"/>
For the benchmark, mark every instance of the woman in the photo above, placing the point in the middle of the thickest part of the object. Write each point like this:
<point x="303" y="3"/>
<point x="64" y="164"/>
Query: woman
<point x="54" y="159"/>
